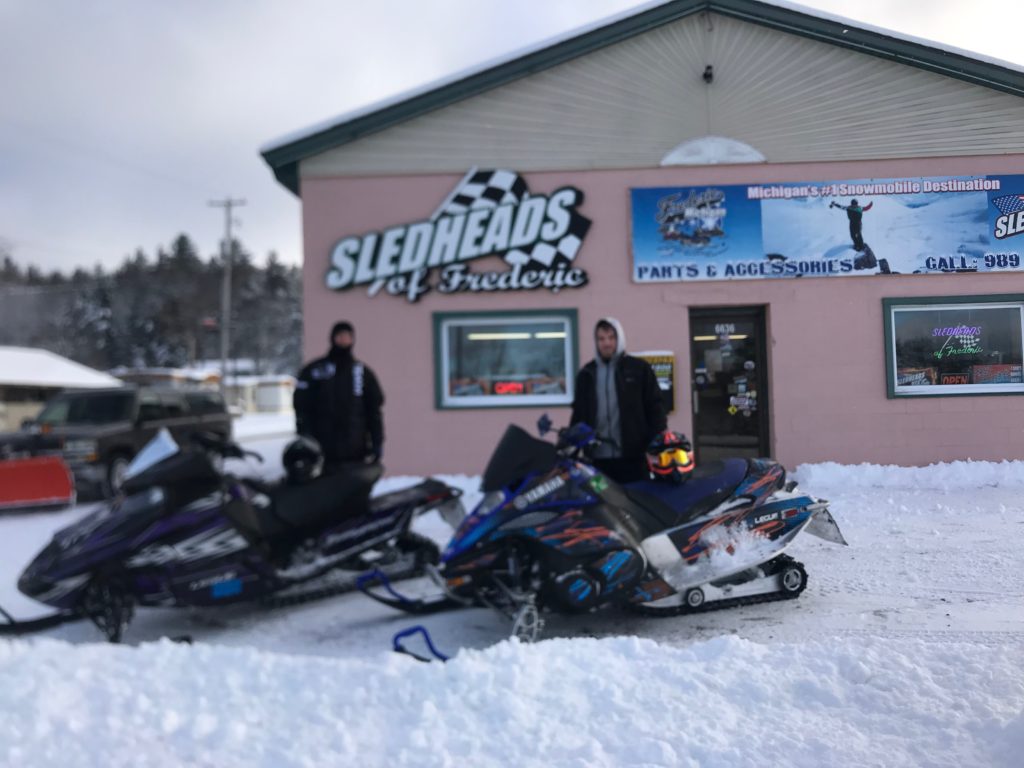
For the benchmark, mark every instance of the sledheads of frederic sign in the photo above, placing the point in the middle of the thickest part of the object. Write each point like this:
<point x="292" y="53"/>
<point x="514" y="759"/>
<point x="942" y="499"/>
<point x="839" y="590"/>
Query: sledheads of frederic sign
<point x="489" y="213"/>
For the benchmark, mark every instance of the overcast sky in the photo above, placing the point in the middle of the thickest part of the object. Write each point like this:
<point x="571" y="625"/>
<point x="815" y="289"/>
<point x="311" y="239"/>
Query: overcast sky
<point x="121" y="119"/>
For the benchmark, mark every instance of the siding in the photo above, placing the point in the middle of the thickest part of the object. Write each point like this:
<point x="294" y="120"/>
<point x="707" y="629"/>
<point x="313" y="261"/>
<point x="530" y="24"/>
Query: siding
<point x="626" y="106"/>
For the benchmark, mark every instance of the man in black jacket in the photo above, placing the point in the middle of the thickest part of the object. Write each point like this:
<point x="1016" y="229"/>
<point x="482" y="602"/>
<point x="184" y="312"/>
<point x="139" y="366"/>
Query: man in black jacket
<point x="338" y="401"/>
<point x="619" y="397"/>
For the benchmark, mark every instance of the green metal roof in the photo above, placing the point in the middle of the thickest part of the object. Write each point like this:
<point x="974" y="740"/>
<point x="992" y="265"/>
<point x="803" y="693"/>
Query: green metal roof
<point x="284" y="158"/>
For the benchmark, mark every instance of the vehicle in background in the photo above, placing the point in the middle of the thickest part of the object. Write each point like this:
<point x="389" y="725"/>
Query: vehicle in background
<point x="98" y="431"/>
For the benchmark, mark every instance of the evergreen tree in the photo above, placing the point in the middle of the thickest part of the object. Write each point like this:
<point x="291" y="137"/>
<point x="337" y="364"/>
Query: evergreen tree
<point x="156" y="312"/>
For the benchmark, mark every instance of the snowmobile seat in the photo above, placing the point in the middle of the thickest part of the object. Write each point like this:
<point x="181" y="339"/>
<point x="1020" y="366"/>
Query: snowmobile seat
<point x="674" y="504"/>
<point x="287" y="508"/>
<point x="331" y="497"/>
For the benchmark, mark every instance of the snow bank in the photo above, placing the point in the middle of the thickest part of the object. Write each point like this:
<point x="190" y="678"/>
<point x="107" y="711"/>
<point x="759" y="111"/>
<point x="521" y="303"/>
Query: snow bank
<point x="620" y="701"/>
<point x="956" y="475"/>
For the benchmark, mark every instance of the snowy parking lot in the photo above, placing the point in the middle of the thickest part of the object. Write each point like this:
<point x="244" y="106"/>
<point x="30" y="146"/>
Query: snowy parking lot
<point x="905" y="649"/>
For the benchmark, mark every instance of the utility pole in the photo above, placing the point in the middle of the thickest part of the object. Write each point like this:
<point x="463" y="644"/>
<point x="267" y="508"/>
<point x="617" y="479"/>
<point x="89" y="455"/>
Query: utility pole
<point x="227" y="253"/>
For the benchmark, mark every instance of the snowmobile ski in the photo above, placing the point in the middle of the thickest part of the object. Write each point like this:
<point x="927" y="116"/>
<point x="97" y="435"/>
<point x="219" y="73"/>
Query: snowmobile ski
<point x="12" y="626"/>
<point x="370" y="583"/>
<point x="399" y="647"/>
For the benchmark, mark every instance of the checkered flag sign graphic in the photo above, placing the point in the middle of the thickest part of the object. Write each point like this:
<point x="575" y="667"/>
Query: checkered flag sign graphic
<point x="485" y="189"/>
<point x="491" y="188"/>
<point x="1008" y="204"/>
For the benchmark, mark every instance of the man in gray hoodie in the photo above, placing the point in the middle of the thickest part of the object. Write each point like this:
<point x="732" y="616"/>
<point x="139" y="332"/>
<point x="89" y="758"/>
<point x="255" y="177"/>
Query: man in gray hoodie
<point x="618" y="396"/>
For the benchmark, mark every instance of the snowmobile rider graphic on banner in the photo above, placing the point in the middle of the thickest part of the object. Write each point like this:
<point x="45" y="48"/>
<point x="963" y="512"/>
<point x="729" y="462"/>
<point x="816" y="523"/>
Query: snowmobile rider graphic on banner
<point x="338" y="403"/>
<point x="618" y="395"/>
<point x="855" y="213"/>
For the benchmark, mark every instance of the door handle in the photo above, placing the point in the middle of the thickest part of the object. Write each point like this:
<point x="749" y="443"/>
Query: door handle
<point x="696" y="402"/>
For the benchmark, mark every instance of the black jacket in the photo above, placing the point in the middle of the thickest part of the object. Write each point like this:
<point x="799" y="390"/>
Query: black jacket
<point x="641" y="409"/>
<point x="337" y="402"/>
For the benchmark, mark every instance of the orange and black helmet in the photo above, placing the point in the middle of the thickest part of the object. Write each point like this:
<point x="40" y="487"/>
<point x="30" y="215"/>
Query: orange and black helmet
<point x="669" y="457"/>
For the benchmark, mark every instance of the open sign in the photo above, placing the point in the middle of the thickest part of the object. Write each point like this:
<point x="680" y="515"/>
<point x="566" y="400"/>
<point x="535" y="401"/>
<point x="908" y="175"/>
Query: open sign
<point x="509" y="388"/>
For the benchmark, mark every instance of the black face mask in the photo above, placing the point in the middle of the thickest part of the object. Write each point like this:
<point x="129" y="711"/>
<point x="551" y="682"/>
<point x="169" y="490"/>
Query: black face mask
<point x="340" y="354"/>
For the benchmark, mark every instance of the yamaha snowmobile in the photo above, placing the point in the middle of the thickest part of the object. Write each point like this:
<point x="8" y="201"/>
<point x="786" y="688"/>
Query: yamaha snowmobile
<point x="184" y="533"/>
<point x="553" y="533"/>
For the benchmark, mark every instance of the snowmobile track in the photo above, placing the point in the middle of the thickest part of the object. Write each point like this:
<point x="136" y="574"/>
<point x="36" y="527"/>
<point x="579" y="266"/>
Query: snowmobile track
<point x="716" y="605"/>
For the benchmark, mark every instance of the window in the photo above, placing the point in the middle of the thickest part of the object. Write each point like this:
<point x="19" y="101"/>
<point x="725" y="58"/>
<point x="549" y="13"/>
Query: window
<point x="88" y="408"/>
<point x="150" y="408"/>
<point x="204" y="403"/>
<point x="954" y="345"/>
<point x="174" y="405"/>
<point x="507" y="359"/>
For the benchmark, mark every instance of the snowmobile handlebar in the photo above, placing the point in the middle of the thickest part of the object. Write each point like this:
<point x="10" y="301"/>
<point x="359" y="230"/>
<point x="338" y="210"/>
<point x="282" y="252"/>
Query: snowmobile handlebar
<point x="222" y="446"/>
<point x="572" y="439"/>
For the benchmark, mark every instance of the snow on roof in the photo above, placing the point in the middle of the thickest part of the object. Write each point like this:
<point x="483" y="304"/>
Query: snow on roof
<point x="28" y="367"/>
<point x="324" y="125"/>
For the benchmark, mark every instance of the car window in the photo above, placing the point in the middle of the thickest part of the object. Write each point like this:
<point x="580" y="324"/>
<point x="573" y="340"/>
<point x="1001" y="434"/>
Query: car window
<point x="88" y="408"/>
<point x="204" y="403"/>
<point x="150" y="408"/>
<point x="174" y="406"/>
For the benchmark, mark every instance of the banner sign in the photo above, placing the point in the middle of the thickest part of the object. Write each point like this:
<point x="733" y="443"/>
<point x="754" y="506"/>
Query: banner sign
<point x="489" y="213"/>
<point x="828" y="229"/>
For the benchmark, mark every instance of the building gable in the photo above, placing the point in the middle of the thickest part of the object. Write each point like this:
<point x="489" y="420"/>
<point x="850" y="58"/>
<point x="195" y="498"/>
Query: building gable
<point x="791" y="85"/>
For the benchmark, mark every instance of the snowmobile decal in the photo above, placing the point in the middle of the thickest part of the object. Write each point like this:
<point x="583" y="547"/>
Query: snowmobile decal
<point x="208" y="544"/>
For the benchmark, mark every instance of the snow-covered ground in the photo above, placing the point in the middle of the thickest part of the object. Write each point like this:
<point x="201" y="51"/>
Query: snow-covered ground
<point x="905" y="650"/>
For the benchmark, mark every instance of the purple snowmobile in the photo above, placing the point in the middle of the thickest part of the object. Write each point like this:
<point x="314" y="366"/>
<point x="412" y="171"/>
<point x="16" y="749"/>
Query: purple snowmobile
<point x="184" y="533"/>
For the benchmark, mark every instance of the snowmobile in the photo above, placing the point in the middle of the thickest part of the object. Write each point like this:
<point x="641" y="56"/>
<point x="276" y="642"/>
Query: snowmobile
<point x="553" y="533"/>
<point x="185" y="533"/>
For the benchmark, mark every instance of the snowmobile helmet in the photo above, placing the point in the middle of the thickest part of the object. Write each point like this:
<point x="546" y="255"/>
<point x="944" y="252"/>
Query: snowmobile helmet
<point x="303" y="460"/>
<point x="669" y="457"/>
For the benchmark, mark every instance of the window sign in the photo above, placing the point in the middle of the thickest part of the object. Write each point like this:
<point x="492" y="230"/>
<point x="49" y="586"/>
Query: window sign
<point x="501" y="360"/>
<point x="664" y="364"/>
<point x="949" y="346"/>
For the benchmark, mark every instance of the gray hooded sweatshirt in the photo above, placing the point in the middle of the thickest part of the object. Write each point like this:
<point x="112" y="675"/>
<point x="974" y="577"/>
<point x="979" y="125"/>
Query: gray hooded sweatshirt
<point x="609" y="423"/>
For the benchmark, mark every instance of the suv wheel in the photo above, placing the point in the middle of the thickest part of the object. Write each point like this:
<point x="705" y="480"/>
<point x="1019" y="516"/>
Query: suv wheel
<point x="116" y="468"/>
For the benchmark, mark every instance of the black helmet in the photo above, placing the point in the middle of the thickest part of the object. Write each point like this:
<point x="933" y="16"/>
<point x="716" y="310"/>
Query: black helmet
<point x="303" y="460"/>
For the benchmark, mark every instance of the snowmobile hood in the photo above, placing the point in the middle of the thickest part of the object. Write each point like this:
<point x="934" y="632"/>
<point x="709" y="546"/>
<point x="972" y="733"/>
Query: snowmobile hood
<point x="98" y="537"/>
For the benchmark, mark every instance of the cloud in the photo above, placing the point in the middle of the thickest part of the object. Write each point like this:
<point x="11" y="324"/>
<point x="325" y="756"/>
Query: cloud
<point x="125" y="118"/>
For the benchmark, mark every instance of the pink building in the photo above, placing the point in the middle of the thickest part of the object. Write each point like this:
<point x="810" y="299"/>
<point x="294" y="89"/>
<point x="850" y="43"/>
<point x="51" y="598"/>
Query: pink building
<point x="813" y="229"/>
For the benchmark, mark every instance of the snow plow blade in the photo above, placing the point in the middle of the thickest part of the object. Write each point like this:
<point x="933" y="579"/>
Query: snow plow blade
<point x="35" y="482"/>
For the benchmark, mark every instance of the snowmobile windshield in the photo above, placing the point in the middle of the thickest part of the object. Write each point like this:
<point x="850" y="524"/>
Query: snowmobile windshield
<point x="88" y="408"/>
<point x="160" y="448"/>
<point x="516" y="456"/>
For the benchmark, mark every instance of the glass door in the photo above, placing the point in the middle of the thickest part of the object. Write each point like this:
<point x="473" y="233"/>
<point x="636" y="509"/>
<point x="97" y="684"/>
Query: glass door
<point x="729" y="383"/>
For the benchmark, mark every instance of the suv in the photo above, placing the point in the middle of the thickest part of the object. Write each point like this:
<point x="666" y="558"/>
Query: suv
<point x="99" y="431"/>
